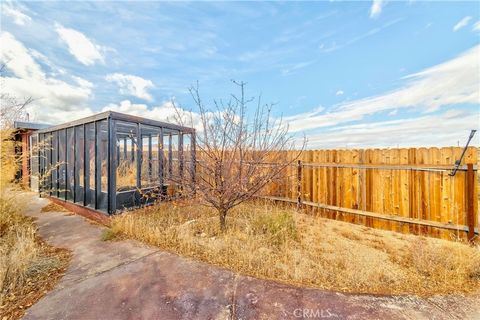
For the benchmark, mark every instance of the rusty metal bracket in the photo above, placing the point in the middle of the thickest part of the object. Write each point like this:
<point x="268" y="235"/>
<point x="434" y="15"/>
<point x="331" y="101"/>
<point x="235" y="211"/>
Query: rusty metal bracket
<point x="459" y="161"/>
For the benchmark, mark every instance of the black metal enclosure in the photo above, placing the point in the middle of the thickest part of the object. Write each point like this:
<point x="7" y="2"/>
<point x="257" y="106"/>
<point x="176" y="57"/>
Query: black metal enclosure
<point x="111" y="161"/>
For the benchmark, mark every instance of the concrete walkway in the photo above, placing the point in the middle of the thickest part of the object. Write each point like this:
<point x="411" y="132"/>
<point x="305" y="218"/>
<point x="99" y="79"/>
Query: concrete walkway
<point x="128" y="280"/>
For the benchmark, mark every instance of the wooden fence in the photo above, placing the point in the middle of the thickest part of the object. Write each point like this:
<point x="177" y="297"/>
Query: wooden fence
<point x="404" y="190"/>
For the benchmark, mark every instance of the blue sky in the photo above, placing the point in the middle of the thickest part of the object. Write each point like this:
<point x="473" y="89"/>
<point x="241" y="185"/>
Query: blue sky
<point x="347" y="74"/>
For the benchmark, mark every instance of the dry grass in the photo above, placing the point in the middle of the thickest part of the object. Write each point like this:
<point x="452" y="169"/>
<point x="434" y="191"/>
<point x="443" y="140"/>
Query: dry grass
<point x="266" y="241"/>
<point x="18" y="247"/>
<point x="8" y="162"/>
<point x="126" y="175"/>
<point x="28" y="266"/>
<point x="53" y="207"/>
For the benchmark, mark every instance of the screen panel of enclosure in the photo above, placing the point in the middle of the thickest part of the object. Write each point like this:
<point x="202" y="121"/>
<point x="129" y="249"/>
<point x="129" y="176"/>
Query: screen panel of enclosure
<point x="111" y="161"/>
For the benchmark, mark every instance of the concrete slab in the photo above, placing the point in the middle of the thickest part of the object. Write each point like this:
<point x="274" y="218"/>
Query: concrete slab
<point x="158" y="286"/>
<point x="128" y="280"/>
<point x="270" y="300"/>
<point x="91" y="255"/>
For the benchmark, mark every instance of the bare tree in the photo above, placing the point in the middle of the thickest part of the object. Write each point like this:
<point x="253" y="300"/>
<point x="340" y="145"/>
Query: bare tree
<point x="11" y="108"/>
<point x="238" y="153"/>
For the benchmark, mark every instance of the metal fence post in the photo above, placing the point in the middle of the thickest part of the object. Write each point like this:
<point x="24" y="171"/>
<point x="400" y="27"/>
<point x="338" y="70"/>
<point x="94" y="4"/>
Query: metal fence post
<point x="194" y="160"/>
<point x="299" y="184"/>
<point x="470" y="176"/>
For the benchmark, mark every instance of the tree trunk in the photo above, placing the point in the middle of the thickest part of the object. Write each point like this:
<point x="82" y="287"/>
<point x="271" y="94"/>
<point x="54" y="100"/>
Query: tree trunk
<point x="223" y="218"/>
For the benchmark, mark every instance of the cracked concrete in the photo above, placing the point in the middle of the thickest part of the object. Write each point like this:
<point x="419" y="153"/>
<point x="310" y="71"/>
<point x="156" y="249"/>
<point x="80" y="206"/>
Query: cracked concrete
<point x="128" y="280"/>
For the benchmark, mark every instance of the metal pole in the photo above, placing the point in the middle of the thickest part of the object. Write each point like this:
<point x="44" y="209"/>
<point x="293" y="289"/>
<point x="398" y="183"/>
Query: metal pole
<point x="98" y="165"/>
<point x="113" y="156"/>
<point x="58" y="164"/>
<point x="75" y="180"/>
<point x="139" y="156"/>
<point x="170" y="156"/>
<point x="470" y="176"/>
<point x="150" y="157"/>
<point x="299" y="184"/>
<point x="65" y="167"/>
<point x="86" y="166"/>
<point x="180" y="157"/>
<point x="124" y="149"/>
<point x="40" y="172"/>
<point x="160" y="160"/>
<point x="459" y="161"/>
<point x="194" y="161"/>
<point x="132" y="151"/>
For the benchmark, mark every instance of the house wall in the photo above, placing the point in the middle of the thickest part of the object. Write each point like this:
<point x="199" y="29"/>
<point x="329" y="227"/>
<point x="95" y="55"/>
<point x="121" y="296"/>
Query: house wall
<point x="22" y="148"/>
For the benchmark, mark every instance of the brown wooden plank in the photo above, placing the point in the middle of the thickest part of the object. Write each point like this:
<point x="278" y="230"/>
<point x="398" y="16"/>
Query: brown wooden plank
<point x="380" y="216"/>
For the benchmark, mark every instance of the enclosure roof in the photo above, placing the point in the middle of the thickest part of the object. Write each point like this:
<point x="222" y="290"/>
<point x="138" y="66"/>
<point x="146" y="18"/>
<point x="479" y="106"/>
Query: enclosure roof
<point x="30" y="125"/>
<point x="118" y="116"/>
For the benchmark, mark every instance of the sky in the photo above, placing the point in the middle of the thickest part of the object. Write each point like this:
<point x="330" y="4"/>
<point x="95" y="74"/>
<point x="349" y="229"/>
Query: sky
<point x="357" y="74"/>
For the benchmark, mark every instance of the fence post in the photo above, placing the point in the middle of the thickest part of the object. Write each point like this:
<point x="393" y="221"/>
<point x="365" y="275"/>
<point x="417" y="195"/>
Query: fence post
<point x="299" y="184"/>
<point x="470" y="201"/>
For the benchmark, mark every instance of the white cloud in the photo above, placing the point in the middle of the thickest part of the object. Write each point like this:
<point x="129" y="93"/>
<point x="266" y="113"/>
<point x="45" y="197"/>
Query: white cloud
<point x="55" y="101"/>
<point x="83" y="82"/>
<point x="18" y="17"/>
<point x="462" y="23"/>
<point x="297" y="66"/>
<point x="19" y="61"/>
<point x="82" y="48"/>
<point x="393" y="112"/>
<point x="54" y="70"/>
<point x="376" y="8"/>
<point x="334" y="46"/>
<point x="339" y="93"/>
<point x="132" y="85"/>
<point x="476" y="26"/>
<point x="453" y="82"/>
<point x="319" y="119"/>
<point x="445" y="129"/>
<point x="164" y="112"/>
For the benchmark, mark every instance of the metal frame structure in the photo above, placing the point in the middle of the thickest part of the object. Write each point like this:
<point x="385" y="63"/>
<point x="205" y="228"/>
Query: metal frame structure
<point x="111" y="161"/>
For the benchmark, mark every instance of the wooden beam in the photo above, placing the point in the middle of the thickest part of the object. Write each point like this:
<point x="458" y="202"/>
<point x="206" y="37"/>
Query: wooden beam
<point x="420" y="222"/>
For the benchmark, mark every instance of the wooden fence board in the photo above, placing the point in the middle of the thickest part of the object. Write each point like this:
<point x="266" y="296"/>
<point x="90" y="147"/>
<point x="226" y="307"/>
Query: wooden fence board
<point x="393" y="191"/>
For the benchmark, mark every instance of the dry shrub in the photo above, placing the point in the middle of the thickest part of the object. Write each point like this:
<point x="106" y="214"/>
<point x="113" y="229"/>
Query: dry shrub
<point x="270" y="242"/>
<point x="278" y="227"/>
<point x="18" y="248"/>
<point x="53" y="207"/>
<point x="9" y="163"/>
<point x="443" y="265"/>
<point x="28" y="267"/>
<point x="126" y="175"/>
